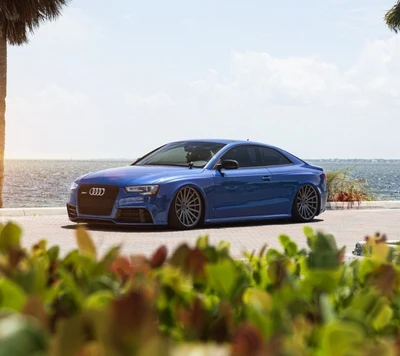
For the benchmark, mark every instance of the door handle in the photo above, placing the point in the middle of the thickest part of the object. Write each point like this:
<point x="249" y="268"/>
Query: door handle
<point x="266" y="178"/>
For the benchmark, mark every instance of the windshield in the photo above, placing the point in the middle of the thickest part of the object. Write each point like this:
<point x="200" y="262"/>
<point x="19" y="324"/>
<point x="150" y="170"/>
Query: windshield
<point x="196" y="154"/>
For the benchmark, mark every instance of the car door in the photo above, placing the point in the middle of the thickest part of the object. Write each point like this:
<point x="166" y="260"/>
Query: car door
<point x="244" y="191"/>
<point x="284" y="181"/>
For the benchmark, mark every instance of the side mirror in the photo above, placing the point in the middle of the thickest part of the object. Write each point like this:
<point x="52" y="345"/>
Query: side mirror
<point x="228" y="164"/>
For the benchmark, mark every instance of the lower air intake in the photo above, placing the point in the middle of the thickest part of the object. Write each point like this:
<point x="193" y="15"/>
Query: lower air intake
<point x="134" y="215"/>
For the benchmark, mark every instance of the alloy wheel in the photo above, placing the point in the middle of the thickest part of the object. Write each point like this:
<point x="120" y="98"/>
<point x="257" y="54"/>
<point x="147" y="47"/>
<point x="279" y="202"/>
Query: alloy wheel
<point x="188" y="207"/>
<point x="307" y="202"/>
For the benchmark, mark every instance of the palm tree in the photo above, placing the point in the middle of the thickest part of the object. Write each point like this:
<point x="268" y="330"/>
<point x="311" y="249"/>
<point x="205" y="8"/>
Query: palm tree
<point x="392" y="17"/>
<point x="18" y="18"/>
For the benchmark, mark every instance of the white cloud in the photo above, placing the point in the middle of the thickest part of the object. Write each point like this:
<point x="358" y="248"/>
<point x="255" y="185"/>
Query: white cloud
<point x="53" y="95"/>
<point x="129" y="17"/>
<point x="261" y="79"/>
<point x="51" y="98"/>
<point x="306" y="105"/>
<point x="153" y="101"/>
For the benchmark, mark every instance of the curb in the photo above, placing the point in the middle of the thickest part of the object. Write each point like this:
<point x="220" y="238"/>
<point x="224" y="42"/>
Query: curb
<point x="32" y="211"/>
<point x="363" y="205"/>
<point x="383" y="204"/>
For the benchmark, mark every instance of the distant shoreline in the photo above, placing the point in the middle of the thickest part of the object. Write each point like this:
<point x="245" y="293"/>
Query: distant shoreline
<point x="330" y="160"/>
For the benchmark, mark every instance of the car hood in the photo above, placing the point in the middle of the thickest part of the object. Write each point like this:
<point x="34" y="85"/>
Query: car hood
<point x="135" y="175"/>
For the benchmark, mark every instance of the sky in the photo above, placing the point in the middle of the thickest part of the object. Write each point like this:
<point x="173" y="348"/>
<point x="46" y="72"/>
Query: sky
<point x="116" y="79"/>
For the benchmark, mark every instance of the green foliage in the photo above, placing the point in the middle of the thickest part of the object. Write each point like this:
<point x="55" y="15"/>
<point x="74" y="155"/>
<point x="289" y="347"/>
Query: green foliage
<point x="199" y="300"/>
<point x="392" y="17"/>
<point x="344" y="188"/>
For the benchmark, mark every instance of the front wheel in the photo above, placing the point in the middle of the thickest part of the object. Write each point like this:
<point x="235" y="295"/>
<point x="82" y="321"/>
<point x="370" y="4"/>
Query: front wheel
<point x="305" y="205"/>
<point x="186" y="209"/>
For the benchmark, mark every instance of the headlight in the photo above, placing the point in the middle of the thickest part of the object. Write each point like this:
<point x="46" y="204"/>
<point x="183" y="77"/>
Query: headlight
<point x="73" y="186"/>
<point x="143" y="189"/>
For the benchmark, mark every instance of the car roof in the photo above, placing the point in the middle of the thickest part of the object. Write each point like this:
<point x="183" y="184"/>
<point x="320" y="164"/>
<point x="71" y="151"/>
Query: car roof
<point x="230" y="142"/>
<point x="223" y="141"/>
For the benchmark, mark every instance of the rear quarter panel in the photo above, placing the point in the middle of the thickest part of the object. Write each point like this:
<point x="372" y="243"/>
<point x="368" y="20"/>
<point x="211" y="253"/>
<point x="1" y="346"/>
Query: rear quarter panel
<point x="287" y="180"/>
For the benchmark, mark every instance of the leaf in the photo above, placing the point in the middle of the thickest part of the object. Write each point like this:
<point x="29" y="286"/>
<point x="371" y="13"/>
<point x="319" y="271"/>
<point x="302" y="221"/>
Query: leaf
<point x="10" y="236"/>
<point x="248" y="341"/>
<point x="108" y="259"/>
<point x="382" y="316"/>
<point x="85" y="242"/>
<point x="15" y="256"/>
<point x="259" y="299"/>
<point x="35" y="280"/>
<point x="180" y="256"/>
<point x="308" y="232"/>
<point x="73" y="333"/>
<point x="91" y="348"/>
<point x="384" y="279"/>
<point x="53" y="253"/>
<point x="223" y="248"/>
<point x="39" y="249"/>
<point x="70" y="285"/>
<point x="35" y="307"/>
<point x="289" y="245"/>
<point x="99" y="300"/>
<point x="273" y="255"/>
<point x="284" y="239"/>
<point x="327" y="309"/>
<point x="202" y="242"/>
<point x="340" y="338"/>
<point x="18" y="337"/>
<point x="222" y="277"/>
<point x="122" y="266"/>
<point x="196" y="261"/>
<point x="159" y="257"/>
<point x="380" y="251"/>
<point x="103" y="282"/>
<point x="325" y="280"/>
<point x="12" y="295"/>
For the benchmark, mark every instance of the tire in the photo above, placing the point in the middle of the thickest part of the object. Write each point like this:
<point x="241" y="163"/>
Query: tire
<point x="305" y="204"/>
<point x="186" y="211"/>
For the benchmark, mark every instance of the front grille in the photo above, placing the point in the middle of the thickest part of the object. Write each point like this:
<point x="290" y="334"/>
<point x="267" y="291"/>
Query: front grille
<point x="95" y="204"/>
<point x="72" y="213"/>
<point x="134" y="215"/>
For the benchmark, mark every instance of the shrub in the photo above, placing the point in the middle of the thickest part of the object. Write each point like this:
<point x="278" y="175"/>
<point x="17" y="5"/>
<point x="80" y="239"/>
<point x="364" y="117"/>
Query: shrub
<point x="199" y="299"/>
<point x="344" y="188"/>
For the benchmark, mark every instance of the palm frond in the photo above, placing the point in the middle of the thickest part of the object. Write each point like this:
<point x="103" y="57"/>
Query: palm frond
<point x="392" y="17"/>
<point x="18" y="18"/>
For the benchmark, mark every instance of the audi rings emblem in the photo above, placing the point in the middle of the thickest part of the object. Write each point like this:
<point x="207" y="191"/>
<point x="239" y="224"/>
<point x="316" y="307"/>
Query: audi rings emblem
<point x="97" y="192"/>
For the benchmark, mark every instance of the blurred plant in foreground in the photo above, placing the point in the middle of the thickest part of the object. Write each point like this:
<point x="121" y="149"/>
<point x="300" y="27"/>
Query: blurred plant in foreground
<point x="198" y="300"/>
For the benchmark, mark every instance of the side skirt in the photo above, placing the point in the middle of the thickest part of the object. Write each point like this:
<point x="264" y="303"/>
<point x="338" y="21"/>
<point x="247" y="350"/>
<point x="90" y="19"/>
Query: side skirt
<point x="248" y="218"/>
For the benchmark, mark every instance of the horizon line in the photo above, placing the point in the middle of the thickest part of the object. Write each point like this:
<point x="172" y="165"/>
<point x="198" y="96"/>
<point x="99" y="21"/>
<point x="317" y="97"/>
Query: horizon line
<point x="132" y="159"/>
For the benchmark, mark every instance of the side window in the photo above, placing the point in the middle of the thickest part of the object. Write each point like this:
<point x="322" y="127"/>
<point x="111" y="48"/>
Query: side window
<point x="246" y="156"/>
<point x="273" y="158"/>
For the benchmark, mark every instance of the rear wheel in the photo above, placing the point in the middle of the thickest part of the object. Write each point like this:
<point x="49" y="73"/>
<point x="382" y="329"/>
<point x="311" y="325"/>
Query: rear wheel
<point x="186" y="209"/>
<point x="305" y="205"/>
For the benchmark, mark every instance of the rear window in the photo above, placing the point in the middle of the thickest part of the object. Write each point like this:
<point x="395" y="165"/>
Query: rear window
<point x="272" y="157"/>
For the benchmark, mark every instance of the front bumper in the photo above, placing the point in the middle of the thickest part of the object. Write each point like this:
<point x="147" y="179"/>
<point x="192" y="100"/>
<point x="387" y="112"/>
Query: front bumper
<point x="118" y="207"/>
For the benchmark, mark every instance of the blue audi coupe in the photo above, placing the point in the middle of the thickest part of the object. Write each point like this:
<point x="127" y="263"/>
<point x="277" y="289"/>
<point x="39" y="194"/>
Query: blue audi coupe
<point x="187" y="183"/>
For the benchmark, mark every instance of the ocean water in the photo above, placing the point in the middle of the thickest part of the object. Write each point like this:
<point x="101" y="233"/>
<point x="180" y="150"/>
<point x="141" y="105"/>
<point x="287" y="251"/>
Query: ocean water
<point x="45" y="183"/>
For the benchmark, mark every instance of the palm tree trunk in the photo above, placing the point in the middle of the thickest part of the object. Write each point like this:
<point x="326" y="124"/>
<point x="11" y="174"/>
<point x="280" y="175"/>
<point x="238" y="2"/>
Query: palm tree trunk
<point x="3" y="94"/>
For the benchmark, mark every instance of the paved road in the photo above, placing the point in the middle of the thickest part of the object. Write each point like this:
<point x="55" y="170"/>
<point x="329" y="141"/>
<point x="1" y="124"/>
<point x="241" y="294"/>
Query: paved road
<point x="348" y="226"/>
